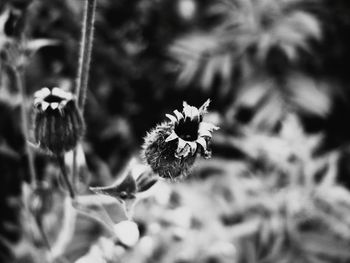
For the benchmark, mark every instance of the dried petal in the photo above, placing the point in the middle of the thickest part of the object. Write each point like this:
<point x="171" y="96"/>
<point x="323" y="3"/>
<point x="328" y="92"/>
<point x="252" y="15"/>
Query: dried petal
<point x="171" y="118"/>
<point x="171" y="137"/>
<point x="178" y="114"/>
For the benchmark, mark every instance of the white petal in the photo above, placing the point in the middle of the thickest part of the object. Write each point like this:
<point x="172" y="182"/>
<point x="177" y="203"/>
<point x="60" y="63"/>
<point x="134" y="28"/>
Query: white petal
<point x="37" y="101"/>
<point x="185" y="105"/>
<point x="42" y="93"/>
<point x="193" y="146"/>
<point x="204" y="132"/>
<point x="194" y="113"/>
<point x="183" y="152"/>
<point x="186" y="109"/>
<point x="207" y="126"/>
<point x="171" y="137"/>
<point x="63" y="103"/>
<point x="201" y="141"/>
<point x="54" y="105"/>
<point x="171" y="118"/>
<point x="60" y="93"/>
<point x="181" y="144"/>
<point x="44" y="105"/>
<point x="127" y="232"/>
<point x="203" y="109"/>
<point x="178" y="114"/>
<point x="190" y="111"/>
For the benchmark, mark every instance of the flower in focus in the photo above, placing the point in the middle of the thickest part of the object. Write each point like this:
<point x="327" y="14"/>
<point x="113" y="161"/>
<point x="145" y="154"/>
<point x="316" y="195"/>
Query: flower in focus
<point x="170" y="149"/>
<point x="58" y="122"/>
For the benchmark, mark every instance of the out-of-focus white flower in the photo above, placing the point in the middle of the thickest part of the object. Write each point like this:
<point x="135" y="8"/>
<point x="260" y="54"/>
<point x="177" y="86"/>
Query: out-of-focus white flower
<point x="186" y="9"/>
<point x="127" y="233"/>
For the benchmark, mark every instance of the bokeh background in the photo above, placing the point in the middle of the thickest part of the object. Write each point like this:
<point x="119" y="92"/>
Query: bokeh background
<point x="277" y="74"/>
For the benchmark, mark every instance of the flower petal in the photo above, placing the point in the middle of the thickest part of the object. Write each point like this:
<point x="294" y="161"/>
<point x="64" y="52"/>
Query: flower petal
<point x="186" y="109"/>
<point x="183" y="152"/>
<point x="42" y="93"/>
<point x="63" y="103"/>
<point x="181" y="144"/>
<point x="194" y="114"/>
<point x="204" y="132"/>
<point x="190" y="111"/>
<point x="37" y="101"/>
<point x="193" y="146"/>
<point x="171" y="118"/>
<point x="207" y="126"/>
<point x="171" y="137"/>
<point x="60" y="93"/>
<point x="206" y="129"/>
<point x="204" y="108"/>
<point x="202" y="142"/>
<point x="178" y="114"/>
<point x="54" y="105"/>
<point x="44" y="105"/>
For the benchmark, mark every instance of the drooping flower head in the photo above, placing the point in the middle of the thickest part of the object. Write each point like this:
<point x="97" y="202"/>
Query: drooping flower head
<point x="58" y="122"/>
<point x="171" y="148"/>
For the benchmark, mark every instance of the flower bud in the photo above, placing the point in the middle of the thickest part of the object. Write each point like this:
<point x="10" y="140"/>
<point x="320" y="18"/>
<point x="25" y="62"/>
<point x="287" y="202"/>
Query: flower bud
<point x="59" y="124"/>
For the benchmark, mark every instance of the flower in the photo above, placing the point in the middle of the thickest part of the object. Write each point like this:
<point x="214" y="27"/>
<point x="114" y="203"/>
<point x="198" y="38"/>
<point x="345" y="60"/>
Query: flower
<point x="59" y="124"/>
<point x="127" y="233"/>
<point x="170" y="149"/>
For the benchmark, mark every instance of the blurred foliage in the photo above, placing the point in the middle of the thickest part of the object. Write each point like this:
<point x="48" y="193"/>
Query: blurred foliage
<point x="277" y="73"/>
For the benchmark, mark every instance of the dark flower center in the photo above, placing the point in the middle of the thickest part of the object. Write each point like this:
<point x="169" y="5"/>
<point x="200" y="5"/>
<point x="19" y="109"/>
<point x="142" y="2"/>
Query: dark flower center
<point x="53" y="98"/>
<point x="187" y="129"/>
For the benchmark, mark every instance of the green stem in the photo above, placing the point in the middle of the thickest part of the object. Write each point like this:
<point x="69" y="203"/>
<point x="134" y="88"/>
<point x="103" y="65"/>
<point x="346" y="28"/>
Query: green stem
<point x="85" y="52"/>
<point x="44" y="237"/>
<point x="24" y="121"/>
<point x="81" y="86"/>
<point x="60" y="159"/>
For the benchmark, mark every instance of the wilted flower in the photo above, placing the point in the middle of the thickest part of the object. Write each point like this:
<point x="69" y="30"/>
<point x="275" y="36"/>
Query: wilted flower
<point x="58" y="122"/>
<point x="170" y="149"/>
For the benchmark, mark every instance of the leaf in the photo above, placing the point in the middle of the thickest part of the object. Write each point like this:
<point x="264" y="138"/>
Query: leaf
<point x="3" y="19"/>
<point x="32" y="46"/>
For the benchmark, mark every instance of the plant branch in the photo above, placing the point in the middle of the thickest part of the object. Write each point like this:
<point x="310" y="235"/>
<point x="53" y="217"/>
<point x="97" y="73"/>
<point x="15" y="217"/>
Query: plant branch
<point x="60" y="159"/>
<point x="81" y="85"/>
<point x="24" y="121"/>
<point x="86" y="44"/>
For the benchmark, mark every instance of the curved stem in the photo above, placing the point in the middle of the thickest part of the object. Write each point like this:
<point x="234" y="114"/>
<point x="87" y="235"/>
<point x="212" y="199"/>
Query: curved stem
<point x="20" y="86"/>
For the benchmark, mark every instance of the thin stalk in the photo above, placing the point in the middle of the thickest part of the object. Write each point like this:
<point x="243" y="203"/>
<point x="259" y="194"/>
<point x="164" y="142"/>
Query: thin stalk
<point x="66" y="233"/>
<point x="60" y="159"/>
<point x="44" y="237"/>
<point x="81" y="86"/>
<point x="75" y="175"/>
<point x="86" y="44"/>
<point x="24" y="121"/>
